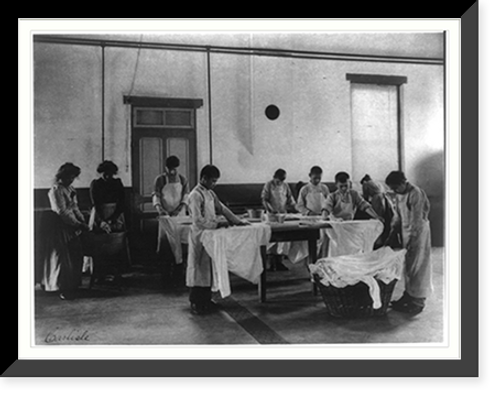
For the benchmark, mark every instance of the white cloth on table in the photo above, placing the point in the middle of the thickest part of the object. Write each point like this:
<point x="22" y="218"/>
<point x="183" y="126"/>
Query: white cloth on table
<point x="299" y="250"/>
<point x="236" y="250"/>
<point x="345" y="238"/>
<point x="353" y="237"/>
<point x="383" y="264"/>
<point x="296" y="250"/>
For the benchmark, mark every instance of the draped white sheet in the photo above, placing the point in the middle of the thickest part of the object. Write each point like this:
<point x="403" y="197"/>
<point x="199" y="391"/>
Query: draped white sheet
<point x="236" y="250"/>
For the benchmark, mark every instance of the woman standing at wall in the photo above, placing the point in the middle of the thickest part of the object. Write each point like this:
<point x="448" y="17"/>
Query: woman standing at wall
<point x="63" y="260"/>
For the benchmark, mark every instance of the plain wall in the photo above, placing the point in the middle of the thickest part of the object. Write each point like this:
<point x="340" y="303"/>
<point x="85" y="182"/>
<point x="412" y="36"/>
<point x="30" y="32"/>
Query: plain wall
<point x="314" y="126"/>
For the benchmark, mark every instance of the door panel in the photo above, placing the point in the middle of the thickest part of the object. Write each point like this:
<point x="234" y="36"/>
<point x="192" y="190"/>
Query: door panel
<point x="151" y="165"/>
<point x="179" y="147"/>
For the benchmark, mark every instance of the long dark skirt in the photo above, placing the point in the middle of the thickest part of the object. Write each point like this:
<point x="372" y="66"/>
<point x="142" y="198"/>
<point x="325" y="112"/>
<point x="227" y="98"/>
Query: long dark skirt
<point x="62" y="255"/>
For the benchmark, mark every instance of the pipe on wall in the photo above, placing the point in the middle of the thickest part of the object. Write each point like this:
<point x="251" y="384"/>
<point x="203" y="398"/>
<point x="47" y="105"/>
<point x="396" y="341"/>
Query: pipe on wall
<point x="209" y="85"/>
<point x="103" y="71"/>
<point x="319" y="55"/>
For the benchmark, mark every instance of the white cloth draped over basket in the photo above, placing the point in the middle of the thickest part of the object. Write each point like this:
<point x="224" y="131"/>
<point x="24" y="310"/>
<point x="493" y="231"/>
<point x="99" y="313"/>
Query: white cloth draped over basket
<point x="383" y="264"/>
<point x="236" y="250"/>
<point x="352" y="237"/>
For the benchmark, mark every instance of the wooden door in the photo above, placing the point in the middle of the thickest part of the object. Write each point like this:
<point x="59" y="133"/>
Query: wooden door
<point x="158" y="133"/>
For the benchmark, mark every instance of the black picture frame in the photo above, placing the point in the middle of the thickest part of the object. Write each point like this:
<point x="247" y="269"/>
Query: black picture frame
<point x="465" y="367"/>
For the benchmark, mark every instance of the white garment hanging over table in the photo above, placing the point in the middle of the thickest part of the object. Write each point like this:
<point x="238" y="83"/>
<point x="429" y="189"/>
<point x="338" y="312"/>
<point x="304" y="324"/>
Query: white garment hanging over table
<point x="345" y="238"/>
<point x="353" y="237"/>
<point x="236" y="250"/>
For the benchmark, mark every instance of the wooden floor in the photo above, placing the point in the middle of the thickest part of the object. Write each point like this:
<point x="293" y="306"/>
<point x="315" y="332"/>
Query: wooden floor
<point x="142" y="312"/>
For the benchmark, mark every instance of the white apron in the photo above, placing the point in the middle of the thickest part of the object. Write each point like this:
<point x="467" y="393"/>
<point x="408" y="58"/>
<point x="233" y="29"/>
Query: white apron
<point x="171" y="197"/>
<point x="278" y="198"/>
<point x="168" y="234"/>
<point x="299" y="250"/>
<point x="315" y="201"/>
<point x="278" y="201"/>
<point x="344" y="210"/>
<point x="199" y="266"/>
<point x="418" y="275"/>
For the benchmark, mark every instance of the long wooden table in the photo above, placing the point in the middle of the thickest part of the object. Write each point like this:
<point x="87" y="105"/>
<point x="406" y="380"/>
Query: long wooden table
<point x="291" y="231"/>
<point x="296" y="229"/>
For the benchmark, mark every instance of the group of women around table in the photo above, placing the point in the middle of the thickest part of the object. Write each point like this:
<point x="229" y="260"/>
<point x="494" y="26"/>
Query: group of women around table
<point x="405" y="218"/>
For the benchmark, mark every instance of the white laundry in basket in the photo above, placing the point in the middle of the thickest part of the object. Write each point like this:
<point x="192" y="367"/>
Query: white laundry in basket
<point x="383" y="264"/>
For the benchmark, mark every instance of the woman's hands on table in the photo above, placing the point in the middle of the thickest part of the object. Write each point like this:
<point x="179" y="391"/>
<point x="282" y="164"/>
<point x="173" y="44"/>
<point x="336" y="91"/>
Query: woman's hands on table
<point x="222" y="224"/>
<point x="244" y="223"/>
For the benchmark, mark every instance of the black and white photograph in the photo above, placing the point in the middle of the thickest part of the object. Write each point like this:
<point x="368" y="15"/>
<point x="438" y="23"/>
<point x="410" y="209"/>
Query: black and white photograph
<point x="239" y="188"/>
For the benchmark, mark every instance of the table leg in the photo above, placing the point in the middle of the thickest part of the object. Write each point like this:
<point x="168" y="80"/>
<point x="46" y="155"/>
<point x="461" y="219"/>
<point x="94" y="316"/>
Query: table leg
<point x="262" y="281"/>
<point x="313" y="256"/>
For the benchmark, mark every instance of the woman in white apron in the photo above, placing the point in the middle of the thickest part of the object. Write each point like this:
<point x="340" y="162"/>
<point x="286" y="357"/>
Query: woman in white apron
<point x="311" y="201"/>
<point x="170" y="198"/>
<point x="312" y="196"/>
<point x="277" y="198"/>
<point x="343" y="203"/>
<point x="204" y="207"/>
<point x="411" y="221"/>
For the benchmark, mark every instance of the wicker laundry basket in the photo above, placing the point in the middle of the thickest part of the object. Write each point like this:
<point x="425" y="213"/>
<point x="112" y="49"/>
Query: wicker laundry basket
<point x="354" y="301"/>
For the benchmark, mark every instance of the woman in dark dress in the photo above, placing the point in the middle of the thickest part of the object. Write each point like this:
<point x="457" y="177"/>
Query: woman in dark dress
<point x="108" y="245"/>
<point x="108" y="199"/>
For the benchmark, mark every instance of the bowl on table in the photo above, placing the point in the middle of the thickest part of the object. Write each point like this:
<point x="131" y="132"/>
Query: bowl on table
<point x="255" y="213"/>
<point x="275" y="217"/>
